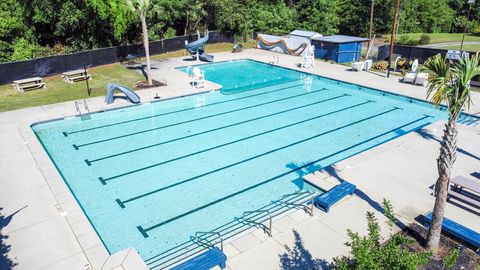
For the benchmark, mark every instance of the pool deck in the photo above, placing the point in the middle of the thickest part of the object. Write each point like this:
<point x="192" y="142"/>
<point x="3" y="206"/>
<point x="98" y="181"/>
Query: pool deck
<point x="44" y="228"/>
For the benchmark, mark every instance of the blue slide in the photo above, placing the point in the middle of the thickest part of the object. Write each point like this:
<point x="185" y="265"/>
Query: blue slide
<point x="129" y="94"/>
<point x="198" y="46"/>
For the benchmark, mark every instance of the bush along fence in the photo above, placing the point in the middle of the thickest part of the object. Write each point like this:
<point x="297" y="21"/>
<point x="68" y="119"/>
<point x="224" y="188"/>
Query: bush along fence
<point x="410" y="52"/>
<point x="52" y="65"/>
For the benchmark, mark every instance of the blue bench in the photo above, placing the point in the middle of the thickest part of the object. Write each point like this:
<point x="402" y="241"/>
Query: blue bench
<point x="331" y="197"/>
<point x="451" y="227"/>
<point x="204" y="261"/>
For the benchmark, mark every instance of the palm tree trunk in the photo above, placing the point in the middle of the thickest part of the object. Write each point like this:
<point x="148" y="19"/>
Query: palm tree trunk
<point x="147" y="48"/>
<point x="448" y="153"/>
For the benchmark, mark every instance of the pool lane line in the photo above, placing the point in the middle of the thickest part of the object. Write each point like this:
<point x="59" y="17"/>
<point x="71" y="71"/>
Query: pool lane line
<point x="196" y="119"/>
<point x="122" y="203"/>
<point x="144" y="231"/>
<point x="66" y="133"/>
<point x="90" y="161"/>
<point x="104" y="180"/>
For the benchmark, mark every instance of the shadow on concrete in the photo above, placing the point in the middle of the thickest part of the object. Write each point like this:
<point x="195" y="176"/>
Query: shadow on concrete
<point x="299" y="258"/>
<point x="5" y="261"/>
<point x="331" y="170"/>
<point x="429" y="136"/>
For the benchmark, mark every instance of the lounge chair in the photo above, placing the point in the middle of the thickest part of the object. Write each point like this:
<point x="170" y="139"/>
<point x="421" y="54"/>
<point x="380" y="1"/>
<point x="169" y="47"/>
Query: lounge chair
<point x="206" y="260"/>
<point x="415" y="78"/>
<point x="198" y="78"/>
<point x="308" y="59"/>
<point x="466" y="190"/>
<point x="334" y="195"/>
<point x="453" y="228"/>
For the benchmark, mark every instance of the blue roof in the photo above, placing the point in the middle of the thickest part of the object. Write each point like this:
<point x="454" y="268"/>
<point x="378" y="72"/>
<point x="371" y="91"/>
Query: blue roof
<point x="340" y="39"/>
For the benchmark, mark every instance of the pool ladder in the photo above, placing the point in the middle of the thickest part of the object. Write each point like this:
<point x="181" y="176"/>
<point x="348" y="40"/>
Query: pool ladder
<point x="275" y="60"/>
<point x="78" y="105"/>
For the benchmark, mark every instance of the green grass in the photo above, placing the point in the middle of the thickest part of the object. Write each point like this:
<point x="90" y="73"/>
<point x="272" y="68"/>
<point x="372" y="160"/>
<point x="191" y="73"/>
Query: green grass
<point x="59" y="91"/>
<point x="210" y="48"/>
<point x="466" y="47"/>
<point x="441" y="37"/>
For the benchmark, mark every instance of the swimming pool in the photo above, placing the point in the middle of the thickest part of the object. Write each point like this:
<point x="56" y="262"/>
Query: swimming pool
<point x="151" y="176"/>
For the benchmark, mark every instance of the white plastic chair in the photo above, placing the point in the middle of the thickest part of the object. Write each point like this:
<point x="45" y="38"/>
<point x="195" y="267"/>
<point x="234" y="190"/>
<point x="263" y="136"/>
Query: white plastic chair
<point x="198" y="78"/>
<point x="308" y="59"/>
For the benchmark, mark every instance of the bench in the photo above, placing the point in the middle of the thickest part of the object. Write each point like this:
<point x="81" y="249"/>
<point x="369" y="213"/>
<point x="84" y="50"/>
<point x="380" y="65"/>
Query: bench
<point x="204" y="261"/>
<point x="331" y="197"/>
<point x="461" y="183"/>
<point x="29" y="84"/>
<point x="453" y="228"/>
<point x="76" y="75"/>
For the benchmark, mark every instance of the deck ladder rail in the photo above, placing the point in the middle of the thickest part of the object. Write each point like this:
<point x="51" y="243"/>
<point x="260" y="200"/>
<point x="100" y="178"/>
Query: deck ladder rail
<point x="258" y="222"/>
<point x="187" y="249"/>
<point x="307" y="208"/>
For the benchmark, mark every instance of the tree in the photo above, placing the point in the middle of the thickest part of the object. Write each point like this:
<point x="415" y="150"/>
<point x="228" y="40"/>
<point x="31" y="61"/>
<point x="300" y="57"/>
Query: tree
<point x="449" y="83"/>
<point x="141" y="7"/>
<point x="319" y="16"/>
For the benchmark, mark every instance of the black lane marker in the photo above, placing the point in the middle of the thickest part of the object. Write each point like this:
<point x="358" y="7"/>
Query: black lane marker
<point x="103" y="180"/>
<point x="196" y="119"/>
<point x="90" y="161"/>
<point x="144" y="231"/>
<point x="65" y="133"/>
<point x="122" y="203"/>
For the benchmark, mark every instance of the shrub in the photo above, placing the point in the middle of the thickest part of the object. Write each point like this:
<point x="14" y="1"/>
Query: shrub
<point x="381" y="65"/>
<point x="424" y="39"/>
<point x="406" y="40"/>
<point x="368" y="252"/>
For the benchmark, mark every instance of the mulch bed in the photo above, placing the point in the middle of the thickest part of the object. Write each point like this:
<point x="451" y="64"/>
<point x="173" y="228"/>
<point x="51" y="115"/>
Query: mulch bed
<point x="467" y="260"/>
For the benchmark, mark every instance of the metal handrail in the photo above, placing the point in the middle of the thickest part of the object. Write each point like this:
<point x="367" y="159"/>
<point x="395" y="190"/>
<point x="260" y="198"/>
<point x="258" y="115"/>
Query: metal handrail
<point x="211" y="232"/>
<point x="269" y="229"/>
<point x="307" y="209"/>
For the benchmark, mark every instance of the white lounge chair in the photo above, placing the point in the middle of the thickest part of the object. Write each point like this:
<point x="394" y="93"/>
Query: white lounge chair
<point x="308" y="59"/>
<point x="198" y="78"/>
<point x="416" y="78"/>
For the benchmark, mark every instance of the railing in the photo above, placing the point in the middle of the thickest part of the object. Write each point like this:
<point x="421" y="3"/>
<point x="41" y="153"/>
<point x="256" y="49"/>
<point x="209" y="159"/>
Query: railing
<point x="207" y="242"/>
<point x="86" y="115"/>
<point x="198" y="243"/>
<point x="267" y="230"/>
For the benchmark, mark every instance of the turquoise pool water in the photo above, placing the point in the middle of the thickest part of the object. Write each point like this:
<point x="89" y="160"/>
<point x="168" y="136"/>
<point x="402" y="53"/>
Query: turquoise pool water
<point x="151" y="176"/>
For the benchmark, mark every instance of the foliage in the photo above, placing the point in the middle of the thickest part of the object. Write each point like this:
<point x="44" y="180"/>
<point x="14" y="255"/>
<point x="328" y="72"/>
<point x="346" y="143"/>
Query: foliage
<point x="368" y="252"/>
<point x="75" y="25"/>
<point x="450" y="260"/>
<point x="424" y="39"/>
<point x="381" y="65"/>
<point x="406" y="40"/>
<point x="450" y="82"/>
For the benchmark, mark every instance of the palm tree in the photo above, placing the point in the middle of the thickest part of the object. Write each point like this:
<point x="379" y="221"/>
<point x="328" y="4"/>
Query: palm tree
<point x="449" y="83"/>
<point x="141" y="7"/>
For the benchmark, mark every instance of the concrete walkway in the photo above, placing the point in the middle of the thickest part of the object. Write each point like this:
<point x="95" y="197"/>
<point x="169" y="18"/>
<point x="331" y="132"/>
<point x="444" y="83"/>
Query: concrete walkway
<point x="44" y="228"/>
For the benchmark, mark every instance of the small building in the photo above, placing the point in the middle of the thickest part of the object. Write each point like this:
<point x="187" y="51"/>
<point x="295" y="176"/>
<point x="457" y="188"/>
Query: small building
<point x="304" y="34"/>
<point x="338" y="48"/>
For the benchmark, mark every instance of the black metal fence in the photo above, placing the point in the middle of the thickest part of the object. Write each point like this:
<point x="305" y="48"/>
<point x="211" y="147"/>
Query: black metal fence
<point x="410" y="52"/>
<point x="57" y="64"/>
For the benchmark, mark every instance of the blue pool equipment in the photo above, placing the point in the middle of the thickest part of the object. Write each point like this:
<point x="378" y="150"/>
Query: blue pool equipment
<point x="130" y="95"/>
<point x="204" y="261"/>
<point x="197" y="48"/>
<point x="331" y="197"/>
<point x="451" y="227"/>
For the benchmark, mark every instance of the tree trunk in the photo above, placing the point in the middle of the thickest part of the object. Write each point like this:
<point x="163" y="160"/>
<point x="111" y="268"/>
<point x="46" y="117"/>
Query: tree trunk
<point x="448" y="153"/>
<point x="147" y="48"/>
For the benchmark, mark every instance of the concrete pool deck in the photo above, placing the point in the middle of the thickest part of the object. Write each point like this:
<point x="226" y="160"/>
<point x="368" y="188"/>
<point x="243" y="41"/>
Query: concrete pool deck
<point x="46" y="229"/>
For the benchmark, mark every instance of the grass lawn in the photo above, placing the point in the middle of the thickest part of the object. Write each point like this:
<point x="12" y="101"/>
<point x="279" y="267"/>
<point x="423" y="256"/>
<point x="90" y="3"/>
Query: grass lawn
<point x="210" y="48"/>
<point x="466" y="47"/>
<point x="59" y="91"/>
<point x="441" y="37"/>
